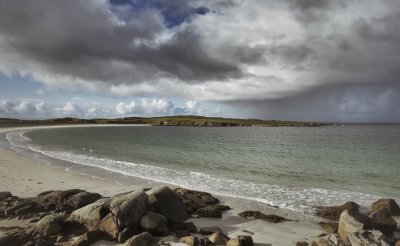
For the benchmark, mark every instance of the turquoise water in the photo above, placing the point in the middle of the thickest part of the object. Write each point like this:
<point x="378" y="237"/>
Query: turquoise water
<point x="290" y="167"/>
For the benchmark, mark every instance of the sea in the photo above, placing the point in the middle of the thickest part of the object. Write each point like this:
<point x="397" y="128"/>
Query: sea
<point x="290" y="168"/>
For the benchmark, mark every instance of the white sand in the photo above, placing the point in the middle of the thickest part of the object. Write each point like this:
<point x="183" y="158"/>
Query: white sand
<point x="26" y="177"/>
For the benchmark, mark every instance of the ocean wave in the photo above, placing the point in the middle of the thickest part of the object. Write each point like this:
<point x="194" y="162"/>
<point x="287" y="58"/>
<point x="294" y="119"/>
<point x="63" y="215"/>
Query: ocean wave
<point x="296" y="199"/>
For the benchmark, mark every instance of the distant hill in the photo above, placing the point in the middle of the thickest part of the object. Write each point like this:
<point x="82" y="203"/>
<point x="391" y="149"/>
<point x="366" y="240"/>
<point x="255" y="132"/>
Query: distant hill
<point x="188" y="120"/>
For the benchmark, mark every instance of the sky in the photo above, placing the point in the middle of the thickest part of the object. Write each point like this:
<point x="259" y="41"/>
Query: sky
<point x="307" y="60"/>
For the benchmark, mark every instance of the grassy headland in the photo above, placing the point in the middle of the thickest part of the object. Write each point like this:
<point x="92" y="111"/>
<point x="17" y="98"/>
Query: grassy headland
<point x="160" y="121"/>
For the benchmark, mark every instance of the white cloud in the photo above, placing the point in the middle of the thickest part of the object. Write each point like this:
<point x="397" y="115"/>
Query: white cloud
<point x="146" y="106"/>
<point x="72" y="109"/>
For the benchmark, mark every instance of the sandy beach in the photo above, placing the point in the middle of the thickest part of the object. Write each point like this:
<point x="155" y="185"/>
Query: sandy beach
<point x="25" y="177"/>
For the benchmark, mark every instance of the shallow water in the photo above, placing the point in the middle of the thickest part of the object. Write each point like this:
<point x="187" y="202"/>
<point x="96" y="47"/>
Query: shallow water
<point x="290" y="167"/>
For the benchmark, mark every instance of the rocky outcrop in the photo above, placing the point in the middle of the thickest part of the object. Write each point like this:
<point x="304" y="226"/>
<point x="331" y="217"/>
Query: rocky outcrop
<point x="363" y="238"/>
<point x="50" y="225"/>
<point x="388" y="204"/>
<point x="91" y="215"/>
<point x="154" y="223"/>
<point x="333" y="213"/>
<point x="383" y="221"/>
<point x="327" y="240"/>
<point x="257" y="215"/>
<point x="109" y="226"/>
<point x="143" y="239"/>
<point x="352" y="222"/>
<point x="168" y="203"/>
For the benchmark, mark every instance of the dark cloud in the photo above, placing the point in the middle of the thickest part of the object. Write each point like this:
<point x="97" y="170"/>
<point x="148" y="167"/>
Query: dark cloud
<point x="334" y="103"/>
<point x="264" y="53"/>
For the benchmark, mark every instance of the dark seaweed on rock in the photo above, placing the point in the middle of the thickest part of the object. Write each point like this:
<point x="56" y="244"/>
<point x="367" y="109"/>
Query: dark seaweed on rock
<point x="257" y="215"/>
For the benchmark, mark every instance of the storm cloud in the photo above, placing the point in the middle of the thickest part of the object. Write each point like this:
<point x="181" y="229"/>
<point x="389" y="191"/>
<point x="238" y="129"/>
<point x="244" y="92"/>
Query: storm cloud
<point x="259" y="55"/>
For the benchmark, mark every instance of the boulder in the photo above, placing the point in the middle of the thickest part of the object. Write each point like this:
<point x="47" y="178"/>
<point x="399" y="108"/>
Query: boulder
<point x="5" y="194"/>
<point x="257" y="215"/>
<point x="205" y="242"/>
<point x="82" y="199"/>
<point x="154" y="223"/>
<point x="168" y="203"/>
<point x="143" y="239"/>
<point x="240" y="241"/>
<point x="51" y="224"/>
<point x="329" y="227"/>
<point x="373" y="238"/>
<point x="333" y="213"/>
<point x="383" y="221"/>
<point x="388" y="204"/>
<point x="91" y="215"/>
<point x="14" y="237"/>
<point x="109" y="225"/>
<point x="327" y="240"/>
<point x="219" y="238"/>
<point x="352" y="221"/>
<point x="126" y="233"/>
<point x="129" y="208"/>
<point x="190" y="240"/>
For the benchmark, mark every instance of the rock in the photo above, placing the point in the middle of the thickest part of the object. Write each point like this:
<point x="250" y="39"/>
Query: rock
<point x="373" y="238"/>
<point x="388" y="204"/>
<point x="61" y="239"/>
<point x="129" y="208"/>
<point x="109" y="225"/>
<point x="192" y="241"/>
<point x="194" y="200"/>
<point x="329" y="227"/>
<point x="190" y="226"/>
<point x="210" y="230"/>
<point x="154" y="223"/>
<point x="82" y="199"/>
<point x="328" y="240"/>
<point x="169" y="203"/>
<point x="383" y="221"/>
<point x="219" y="238"/>
<point x="240" y="241"/>
<point x="182" y="233"/>
<point x="21" y="205"/>
<point x="212" y="211"/>
<point x="234" y="242"/>
<point x="50" y="225"/>
<point x="352" y="221"/>
<point x="43" y="242"/>
<point x="4" y="195"/>
<point x="14" y="237"/>
<point x="91" y="215"/>
<point x="302" y="244"/>
<point x="126" y="233"/>
<point x="52" y="200"/>
<point x="143" y="239"/>
<point x="257" y="215"/>
<point x="333" y="213"/>
<point x="205" y="242"/>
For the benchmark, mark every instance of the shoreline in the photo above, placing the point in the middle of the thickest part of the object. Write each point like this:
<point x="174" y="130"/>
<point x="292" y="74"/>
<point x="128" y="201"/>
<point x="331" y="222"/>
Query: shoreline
<point x="26" y="177"/>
